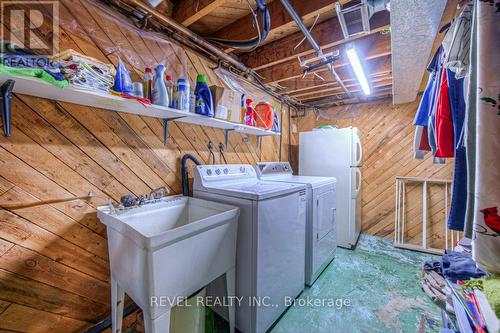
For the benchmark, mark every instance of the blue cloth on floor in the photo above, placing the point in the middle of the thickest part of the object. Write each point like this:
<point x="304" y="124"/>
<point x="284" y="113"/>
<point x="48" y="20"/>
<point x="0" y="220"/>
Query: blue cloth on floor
<point x="433" y="266"/>
<point x="459" y="266"/>
<point x="458" y="205"/>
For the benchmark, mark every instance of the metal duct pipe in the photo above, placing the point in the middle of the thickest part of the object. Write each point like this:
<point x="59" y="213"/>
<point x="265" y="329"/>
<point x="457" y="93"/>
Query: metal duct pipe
<point x="197" y="39"/>
<point x="313" y="43"/>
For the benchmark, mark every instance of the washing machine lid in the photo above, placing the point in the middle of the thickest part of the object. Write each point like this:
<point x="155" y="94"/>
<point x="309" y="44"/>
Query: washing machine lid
<point x="254" y="190"/>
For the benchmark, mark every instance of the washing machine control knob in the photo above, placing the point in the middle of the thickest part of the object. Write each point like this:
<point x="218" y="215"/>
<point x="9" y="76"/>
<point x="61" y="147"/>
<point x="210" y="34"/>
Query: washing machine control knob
<point x="209" y="172"/>
<point x="242" y="169"/>
<point x="226" y="171"/>
<point x="217" y="171"/>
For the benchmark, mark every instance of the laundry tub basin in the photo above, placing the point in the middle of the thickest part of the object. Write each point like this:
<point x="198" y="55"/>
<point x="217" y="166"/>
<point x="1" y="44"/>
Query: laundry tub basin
<point x="161" y="252"/>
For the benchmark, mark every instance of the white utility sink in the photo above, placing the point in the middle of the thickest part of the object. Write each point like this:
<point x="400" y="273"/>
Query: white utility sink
<point x="163" y="251"/>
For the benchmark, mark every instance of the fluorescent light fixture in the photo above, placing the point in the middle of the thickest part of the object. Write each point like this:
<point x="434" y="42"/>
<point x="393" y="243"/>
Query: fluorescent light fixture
<point x="358" y="70"/>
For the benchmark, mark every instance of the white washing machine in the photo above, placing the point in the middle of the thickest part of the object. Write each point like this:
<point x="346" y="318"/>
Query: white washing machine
<point x="321" y="209"/>
<point x="270" y="254"/>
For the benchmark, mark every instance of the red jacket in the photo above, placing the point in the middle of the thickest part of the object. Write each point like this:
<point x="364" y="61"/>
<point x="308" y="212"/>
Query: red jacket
<point x="444" y="122"/>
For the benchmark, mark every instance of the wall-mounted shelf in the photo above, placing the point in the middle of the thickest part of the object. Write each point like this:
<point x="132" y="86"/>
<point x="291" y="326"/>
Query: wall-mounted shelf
<point x="37" y="87"/>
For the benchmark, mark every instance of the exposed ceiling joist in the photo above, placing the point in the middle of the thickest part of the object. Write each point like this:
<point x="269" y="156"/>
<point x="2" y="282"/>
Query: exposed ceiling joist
<point x="377" y="88"/>
<point x="369" y="47"/>
<point x="281" y="22"/>
<point x="352" y="84"/>
<point x="327" y="34"/>
<point x="375" y="68"/>
<point x="188" y="12"/>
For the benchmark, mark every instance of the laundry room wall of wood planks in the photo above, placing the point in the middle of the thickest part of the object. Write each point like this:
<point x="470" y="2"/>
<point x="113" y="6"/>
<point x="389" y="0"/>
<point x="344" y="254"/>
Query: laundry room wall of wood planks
<point x="54" y="274"/>
<point x="387" y="137"/>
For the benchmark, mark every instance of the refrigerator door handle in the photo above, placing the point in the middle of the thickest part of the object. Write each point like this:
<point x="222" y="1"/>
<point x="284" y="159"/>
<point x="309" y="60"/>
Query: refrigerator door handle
<point x="358" y="181"/>
<point x="359" y="150"/>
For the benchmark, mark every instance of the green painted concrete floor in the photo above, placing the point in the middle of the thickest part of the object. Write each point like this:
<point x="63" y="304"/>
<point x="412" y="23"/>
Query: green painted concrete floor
<point x="379" y="287"/>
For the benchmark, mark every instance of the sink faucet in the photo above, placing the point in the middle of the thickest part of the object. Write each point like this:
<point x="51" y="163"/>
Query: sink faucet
<point x="158" y="193"/>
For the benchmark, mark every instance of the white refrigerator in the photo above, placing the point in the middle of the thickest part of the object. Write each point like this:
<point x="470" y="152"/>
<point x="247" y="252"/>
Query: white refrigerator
<point x="337" y="152"/>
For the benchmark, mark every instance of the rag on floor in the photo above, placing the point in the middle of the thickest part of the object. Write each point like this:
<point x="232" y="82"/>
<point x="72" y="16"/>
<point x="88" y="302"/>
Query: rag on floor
<point x="459" y="266"/>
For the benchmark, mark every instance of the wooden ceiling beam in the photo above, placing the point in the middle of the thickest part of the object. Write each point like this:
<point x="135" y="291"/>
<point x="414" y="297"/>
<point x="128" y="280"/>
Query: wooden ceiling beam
<point x="351" y="82"/>
<point x="188" y="12"/>
<point x="377" y="88"/>
<point x="281" y="22"/>
<point x="376" y="82"/>
<point x="368" y="47"/>
<point x="327" y="34"/>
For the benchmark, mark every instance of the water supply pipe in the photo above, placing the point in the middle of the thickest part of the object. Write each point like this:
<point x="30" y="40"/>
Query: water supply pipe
<point x="184" y="172"/>
<point x="313" y="43"/>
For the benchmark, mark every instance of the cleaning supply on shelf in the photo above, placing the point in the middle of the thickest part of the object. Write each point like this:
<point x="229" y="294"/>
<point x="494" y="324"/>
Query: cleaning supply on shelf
<point x="148" y="83"/>
<point x="169" y="82"/>
<point x="181" y="96"/>
<point x="249" y="114"/>
<point x="243" y="109"/>
<point x="264" y="115"/>
<point x="160" y="94"/>
<point x="204" y="104"/>
<point x="123" y="82"/>
<point x="33" y="72"/>
<point x="276" y="123"/>
<point x="138" y="89"/>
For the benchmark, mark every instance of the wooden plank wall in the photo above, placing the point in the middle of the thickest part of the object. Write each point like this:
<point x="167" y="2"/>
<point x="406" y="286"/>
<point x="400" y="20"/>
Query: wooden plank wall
<point x="54" y="274"/>
<point x="387" y="137"/>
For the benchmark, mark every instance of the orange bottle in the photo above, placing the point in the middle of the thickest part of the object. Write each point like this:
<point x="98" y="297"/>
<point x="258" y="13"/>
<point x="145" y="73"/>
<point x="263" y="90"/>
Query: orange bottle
<point x="264" y="115"/>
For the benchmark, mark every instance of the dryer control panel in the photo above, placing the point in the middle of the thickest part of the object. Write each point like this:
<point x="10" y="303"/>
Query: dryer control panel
<point x="273" y="168"/>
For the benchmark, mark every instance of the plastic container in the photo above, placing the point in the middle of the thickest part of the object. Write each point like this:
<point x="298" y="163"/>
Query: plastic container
<point x="123" y="82"/>
<point x="204" y="101"/>
<point x="249" y="118"/>
<point x="181" y="96"/>
<point x="138" y="89"/>
<point x="160" y="94"/>
<point x="148" y="83"/>
<point x="170" y="88"/>
<point x="264" y="115"/>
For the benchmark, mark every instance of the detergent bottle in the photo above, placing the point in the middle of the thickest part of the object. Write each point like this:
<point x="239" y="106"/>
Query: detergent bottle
<point x="264" y="115"/>
<point x="181" y="96"/>
<point x="148" y="83"/>
<point x="160" y="94"/>
<point x="250" y="113"/>
<point x="204" y="104"/>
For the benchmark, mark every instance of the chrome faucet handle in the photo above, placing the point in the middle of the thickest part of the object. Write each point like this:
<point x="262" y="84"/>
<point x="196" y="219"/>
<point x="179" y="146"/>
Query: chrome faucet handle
<point x="142" y="199"/>
<point x="160" y="193"/>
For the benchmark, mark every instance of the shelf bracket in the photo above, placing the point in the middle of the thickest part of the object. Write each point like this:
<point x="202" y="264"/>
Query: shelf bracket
<point x="226" y="135"/>
<point x="165" y="128"/>
<point x="257" y="142"/>
<point x="6" y="105"/>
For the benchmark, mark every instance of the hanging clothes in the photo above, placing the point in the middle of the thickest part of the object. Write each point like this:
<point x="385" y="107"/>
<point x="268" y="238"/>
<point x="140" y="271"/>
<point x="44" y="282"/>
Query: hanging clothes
<point x="486" y="244"/>
<point x="469" y="137"/>
<point x="458" y="49"/>
<point x="456" y="217"/>
<point x="445" y="146"/>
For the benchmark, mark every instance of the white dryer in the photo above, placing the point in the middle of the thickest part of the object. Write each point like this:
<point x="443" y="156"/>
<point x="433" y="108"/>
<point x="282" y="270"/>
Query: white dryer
<point x="321" y="210"/>
<point x="270" y="243"/>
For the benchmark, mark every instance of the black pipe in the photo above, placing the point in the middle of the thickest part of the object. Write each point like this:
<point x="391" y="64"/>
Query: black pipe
<point x="184" y="172"/>
<point x="6" y="105"/>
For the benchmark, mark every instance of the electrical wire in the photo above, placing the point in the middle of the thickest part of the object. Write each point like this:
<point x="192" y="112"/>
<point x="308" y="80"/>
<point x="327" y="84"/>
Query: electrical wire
<point x="251" y="44"/>
<point x="221" y="150"/>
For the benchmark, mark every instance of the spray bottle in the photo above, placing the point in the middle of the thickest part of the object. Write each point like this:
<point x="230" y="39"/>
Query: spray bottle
<point x="160" y="94"/>
<point x="170" y="88"/>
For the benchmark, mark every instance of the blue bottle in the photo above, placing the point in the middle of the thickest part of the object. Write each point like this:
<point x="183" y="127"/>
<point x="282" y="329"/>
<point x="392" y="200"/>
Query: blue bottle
<point x="160" y="93"/>
<point x="203" y="97"/>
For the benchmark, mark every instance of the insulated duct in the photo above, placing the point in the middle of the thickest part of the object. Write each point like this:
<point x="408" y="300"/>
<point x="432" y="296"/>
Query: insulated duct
<point x="356" y="19"/>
